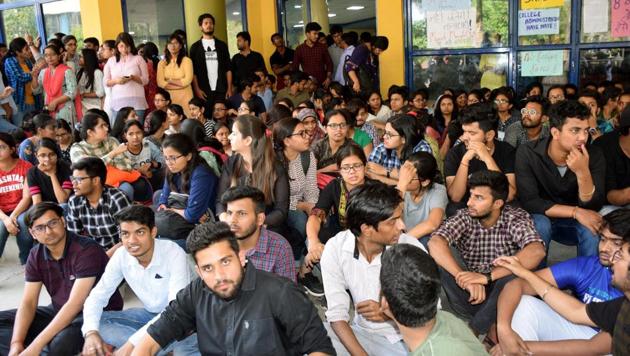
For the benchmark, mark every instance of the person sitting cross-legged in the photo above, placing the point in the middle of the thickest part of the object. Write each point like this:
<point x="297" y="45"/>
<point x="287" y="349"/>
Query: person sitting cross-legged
<point x="68" y="266"/>
<point x="154" y="269"/>
<point x="410" y="290"/>
<point x="486" y="230"/>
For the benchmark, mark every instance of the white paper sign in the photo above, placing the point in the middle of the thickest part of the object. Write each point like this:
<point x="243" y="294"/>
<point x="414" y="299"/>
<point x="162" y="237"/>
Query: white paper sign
<point x="596" y="16"/>
<point x="451" y="28"/>
<point x="542" y="63"/>
<point x="539" y="22"/>
<point x="441" y="5"/>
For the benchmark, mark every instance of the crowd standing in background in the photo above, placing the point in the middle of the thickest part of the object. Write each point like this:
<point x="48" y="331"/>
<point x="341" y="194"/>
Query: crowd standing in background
<point x="292" y="180"/>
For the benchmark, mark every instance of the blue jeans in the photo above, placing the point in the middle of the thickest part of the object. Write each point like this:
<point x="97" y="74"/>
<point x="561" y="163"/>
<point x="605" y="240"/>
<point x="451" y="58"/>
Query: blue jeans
<point x="297" y="220"/>
<point x="23" y="238"/>
<point x="116" y="327"/>
<point x="567" y="232"/>
<point x="6" y="125"/>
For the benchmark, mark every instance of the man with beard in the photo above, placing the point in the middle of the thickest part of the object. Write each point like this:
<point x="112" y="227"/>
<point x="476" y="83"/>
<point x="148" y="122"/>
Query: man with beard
<point x="486" y="230"/>
<point x="351" y="266"/>
<point x="480" y="151"/>
<point x="612" y="317"/>
<point x="533" y="124"/>
<point x="281" y="60"/>
<point x="212" y="67"/>
<point x="530" y="321"/>
<point x="246" y="62"/>
<point x="235" y="308"/>
<point x="265" y="249"/>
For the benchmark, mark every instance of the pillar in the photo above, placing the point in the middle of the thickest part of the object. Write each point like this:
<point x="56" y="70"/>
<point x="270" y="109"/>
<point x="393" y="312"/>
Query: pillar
<point x="262" y="22"/>
<point x="194" y="8"/>
<point x="390" y="22"/>
<point x="102" y="19"/>
<point x="319" y="14"/>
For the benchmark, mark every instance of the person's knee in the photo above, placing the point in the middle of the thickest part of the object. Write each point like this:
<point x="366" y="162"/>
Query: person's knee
<point x="542" y="225"/>
<point x="68" y="341"/>
<point x="524" y="318"/>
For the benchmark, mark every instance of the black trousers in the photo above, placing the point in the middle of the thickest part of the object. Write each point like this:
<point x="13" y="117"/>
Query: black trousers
<point x="68" y="341"/>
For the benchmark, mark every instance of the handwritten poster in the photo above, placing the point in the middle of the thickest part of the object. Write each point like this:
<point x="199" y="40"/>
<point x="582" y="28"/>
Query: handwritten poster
<point x="539" y="22"/>
<point x="620" y="19"/>
<point x="540" y="4"/>
<point x="541" y="63"/>
<point x="440" y="5"/>
<point x="451" y="28"/>
<point x="597" y="19"/>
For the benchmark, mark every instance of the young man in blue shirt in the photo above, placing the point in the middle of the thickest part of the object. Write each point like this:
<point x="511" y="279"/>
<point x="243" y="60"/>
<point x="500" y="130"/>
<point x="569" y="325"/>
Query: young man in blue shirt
<point x="588" y="277"/>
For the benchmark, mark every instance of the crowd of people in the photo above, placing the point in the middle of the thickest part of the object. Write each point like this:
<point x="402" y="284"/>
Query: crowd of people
<point x="117" y="161"/>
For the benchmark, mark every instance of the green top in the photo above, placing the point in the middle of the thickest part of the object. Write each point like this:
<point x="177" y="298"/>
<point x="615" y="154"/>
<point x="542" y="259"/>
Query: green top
<point x="450" y="336"/>
<point x="361" y="138"/>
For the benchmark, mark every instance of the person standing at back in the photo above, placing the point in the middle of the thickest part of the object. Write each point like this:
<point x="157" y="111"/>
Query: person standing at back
<point x="313" y="56"/>
<point x="246" y="62"/>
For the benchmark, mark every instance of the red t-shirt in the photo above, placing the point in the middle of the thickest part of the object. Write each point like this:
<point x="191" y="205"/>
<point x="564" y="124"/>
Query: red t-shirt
<point x="11" y="185"/>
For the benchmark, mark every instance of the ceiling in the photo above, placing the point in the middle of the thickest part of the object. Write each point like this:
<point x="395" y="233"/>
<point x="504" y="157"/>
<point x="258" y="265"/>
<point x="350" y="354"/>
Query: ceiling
<point x="342" y="16"/>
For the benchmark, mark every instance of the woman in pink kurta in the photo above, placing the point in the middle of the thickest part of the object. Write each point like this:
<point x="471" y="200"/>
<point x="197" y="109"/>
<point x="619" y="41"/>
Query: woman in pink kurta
<point x="126" y="73"/>
<point x="175" y="73"/>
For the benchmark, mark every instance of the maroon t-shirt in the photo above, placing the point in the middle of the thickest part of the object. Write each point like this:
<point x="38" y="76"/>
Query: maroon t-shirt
<point x="82" y="258"/>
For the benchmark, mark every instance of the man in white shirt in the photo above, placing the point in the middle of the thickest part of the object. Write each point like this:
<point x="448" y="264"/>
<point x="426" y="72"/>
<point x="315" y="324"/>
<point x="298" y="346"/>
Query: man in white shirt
<point x="155" y="270"/>
<point x="352" y="261"/>
<point x="348" y="42"/>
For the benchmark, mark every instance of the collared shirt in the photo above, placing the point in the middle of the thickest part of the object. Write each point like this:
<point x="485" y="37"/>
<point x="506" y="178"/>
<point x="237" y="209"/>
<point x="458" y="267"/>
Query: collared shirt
<point x="389" y="158"/>
<point x="273" y="254"/>
<point x="323" y="152"/>
<point x="269" y="315"/>
<point x="18" y="79"/>
<point x="540" y="184"/>
<point x="296" y="99"/>
<point x="315" y="61"/>
<point x="82" y="258"/>
<point x="155" y="285"/>
<point x="516" y="134"/>
<point x="102" y="150"/>
<point x="97" y="223"/>
<point x="480" y="246"/>
<point x="345" y="268"/>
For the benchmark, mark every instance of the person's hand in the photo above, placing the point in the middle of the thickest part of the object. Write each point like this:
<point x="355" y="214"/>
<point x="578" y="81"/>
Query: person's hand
<point x="34" y="349"/>
<point x="7" y="91"/>
<point x="38" y="42"/>
<point x="314" y="254"/>
<point x="512" y="263"/>
<point x="477" y="293"/>
<point x="577" y="160"/>
<point x="122" y="148"/>
<point x="228" y="93"/>
<point x="481" y="151"/>
<point x="512" y="344"/>
<point x="94" y="345"/>
<point x="162" y="207"/>
<point x="145" y="169"/>
<point x="51" y="106"/>
<point x="465" y="278"/>
<point x="371" y="311"/>
<point x="124" y="350"/>
<point x="11" y="225"/>
<point x="589" y="218"/>
<point x="16" y="349"/>
<point x="28" y="37"/>
<point x="406" y="175"/>
<point x="356" y="87"/>
<point x="200" y="94"/>
<point x="376" y="168"/>
<point x="123" y="80"/>
<point x="49" y="171"/>
<point x="326" y="83"/>
<point x="223" y="216"/>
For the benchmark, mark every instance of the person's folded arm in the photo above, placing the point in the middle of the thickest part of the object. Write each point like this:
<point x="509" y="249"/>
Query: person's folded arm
<point x="527" y="184"/>
<point x="26" y="312"/>
<point x="600" y="344"/>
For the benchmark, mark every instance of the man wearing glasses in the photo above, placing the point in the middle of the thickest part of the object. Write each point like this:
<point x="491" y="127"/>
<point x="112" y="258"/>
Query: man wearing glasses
<point x="533" y="125"/>
<point x="68" y="266"/>
<point x="92" y="207"/>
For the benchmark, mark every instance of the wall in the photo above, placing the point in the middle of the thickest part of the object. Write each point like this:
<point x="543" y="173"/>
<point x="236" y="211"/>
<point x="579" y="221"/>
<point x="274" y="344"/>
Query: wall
<point x="262" y="22"/>
<point x="390" y="23"/>
<point x="101" y="18"/>
<point x="194" y="8"/>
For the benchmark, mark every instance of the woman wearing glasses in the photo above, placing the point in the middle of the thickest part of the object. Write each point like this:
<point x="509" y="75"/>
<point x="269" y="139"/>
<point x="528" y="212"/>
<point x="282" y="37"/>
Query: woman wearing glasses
<point x="336" y="137"/>
<point x="175" y="73"/>
<point x="50" y="179"/>
<point x="14" y="197"/>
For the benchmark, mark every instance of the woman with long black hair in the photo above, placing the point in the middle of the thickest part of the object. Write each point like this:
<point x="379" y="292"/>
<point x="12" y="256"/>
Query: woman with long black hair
<point x="49" y="180"/>
<point x="90" y="82"/>
<point x="151" y="55"/>
<point x="175" y="73"/>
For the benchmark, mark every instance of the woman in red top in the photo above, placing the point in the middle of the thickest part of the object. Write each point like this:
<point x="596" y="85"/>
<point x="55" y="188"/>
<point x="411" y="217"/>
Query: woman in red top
<point x="15" y="197"/>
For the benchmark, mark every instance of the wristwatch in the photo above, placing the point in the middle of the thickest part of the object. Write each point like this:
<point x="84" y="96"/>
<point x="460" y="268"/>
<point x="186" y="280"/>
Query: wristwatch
<point x="488" y="277"/>
<point x="388" y="174"/>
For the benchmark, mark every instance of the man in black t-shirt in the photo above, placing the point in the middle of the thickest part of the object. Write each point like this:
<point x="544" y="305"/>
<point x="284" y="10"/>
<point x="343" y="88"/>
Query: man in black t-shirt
<point x="281" y="60"/>
<point x="479" y="150"/>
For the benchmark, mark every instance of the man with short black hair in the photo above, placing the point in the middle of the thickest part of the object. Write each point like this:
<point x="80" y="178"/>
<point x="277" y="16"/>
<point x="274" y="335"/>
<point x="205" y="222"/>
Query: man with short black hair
<point x="561" y="180"/>
<point x="281" y="60"/>
<point x="335" y="50"/>
<point x="348" y="43"/>
<point x="92" y="207"/>
<point x="91" y="43"/>
<point x="503" y="99"/>
<point x="533" y="125"/>
<point x="154" y="269"/>
<point x="556" y="93"/>
<point x="295" y="91"/>
<point x="313" y="56"/>
<point x="246" y="62"/>
<point x="68" y="266"/>
<point x="265" y="249"/>
<point x="486" y="230"/>
<point x="397" y="96"/>
<point x="247" y="92"/>
<point x="235" y="308"/>
<point x="410" y="290"/>
<point x="351" y="261"/>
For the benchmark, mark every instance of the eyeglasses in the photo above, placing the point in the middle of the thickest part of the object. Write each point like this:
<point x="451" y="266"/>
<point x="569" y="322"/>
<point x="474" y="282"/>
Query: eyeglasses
<point x="4" y="147"/>
<point x="501" y="101"/>
<point x="351" y="167"/>
<point x="51" y="224"/>
<point x="530" y="112"/>
<point x="302" y="133"/>
<point x="78" y="180"/>
<point x="241" y="109"/>
<point x="389" y="135"/>
<point x="49" y="156"/>
<point x="172" y="159"/>
<point x="336" y="126"/>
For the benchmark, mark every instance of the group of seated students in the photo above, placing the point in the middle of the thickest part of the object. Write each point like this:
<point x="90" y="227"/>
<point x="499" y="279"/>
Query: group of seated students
<point x="378" y="207"/>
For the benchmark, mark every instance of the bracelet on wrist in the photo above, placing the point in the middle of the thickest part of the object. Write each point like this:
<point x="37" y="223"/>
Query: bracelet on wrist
<point x="575" y="210"/>
<point x="544" y="293"/>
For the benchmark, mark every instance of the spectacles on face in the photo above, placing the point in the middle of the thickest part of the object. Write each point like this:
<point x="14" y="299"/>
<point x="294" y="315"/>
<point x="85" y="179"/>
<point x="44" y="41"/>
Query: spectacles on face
<point x="172" y="159"/>
<point x="78" y="180"/>
<point x="530" y="112"/>
<point x="556" y="97"/>
<point x="4" y="148"/>
<point x="351" y="167"/>
<point x="240" y="109"/>
<point x="501" y="101"/>
<point x="302" y="133"/>
<point x="42" y="156"/>
<point x="389" y="135"/>
<point x="336" y="126"/>
<point x="41" y="228"/>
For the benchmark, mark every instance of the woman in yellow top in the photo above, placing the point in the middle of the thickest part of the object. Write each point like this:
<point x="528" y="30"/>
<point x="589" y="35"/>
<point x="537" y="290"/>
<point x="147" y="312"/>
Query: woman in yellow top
<point x="175" y="73"/>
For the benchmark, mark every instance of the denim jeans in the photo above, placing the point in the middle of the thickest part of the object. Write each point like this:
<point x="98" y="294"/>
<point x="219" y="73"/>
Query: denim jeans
<point x="6" y="125"/>
<point x="117" y="326"/>
<point x="567" y="232"/>
<point x="297" y="220"/>
<point x="23" y="238"/>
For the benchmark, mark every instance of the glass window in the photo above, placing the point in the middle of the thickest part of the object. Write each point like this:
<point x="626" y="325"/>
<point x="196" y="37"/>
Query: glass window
<point x="597" y="18"/>
<point x="547" y="67"/>
<point x="294" y="19"/>
<point x="18" y="22"/>
<point x="65" y="17"/>
<point x="154" y="20"/>
<point x="450" y="24"/>
<point x="597" y="65"/>
<point x="234" y="16"/>
<point x="541" y="26"/>
<point x="467" y="72"/>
